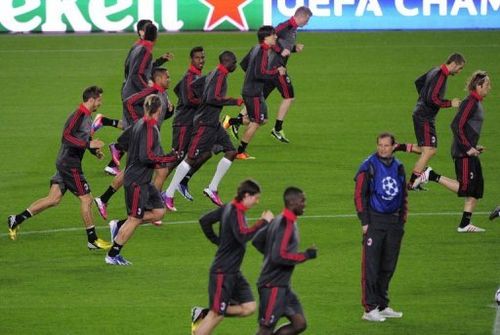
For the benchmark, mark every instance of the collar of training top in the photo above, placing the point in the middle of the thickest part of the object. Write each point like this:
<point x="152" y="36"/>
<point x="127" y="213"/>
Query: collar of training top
<point x="239" y="205"/>
<point x="147" y="44"/>
<point x="445" y="70"/>
<point x="151" y="121"/>
<point x="293" y="23"/>
<point x="289" y="215"/>
<point x="265" y="46"/>
<point x="193" y="69"/>
<point x="158" y="88"/>
<point x="84" y="109"/>
<point x="222" y="69"/>
<point x="476" y="96"/>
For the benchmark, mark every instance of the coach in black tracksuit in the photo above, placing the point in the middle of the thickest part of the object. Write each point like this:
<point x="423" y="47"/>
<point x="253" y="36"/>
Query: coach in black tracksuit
<point x="431" y="88"/>
<point x="227" y="283"/>
<point x="279" y="242"/>
<point x="380" y="198"/>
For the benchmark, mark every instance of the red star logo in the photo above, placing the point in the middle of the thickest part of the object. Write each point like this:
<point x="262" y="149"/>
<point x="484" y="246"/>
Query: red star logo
<point x="226" y="10"/>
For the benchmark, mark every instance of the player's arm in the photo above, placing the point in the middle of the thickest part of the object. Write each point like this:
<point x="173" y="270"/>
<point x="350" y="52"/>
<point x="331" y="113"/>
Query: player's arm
<point x="361" y="194"/>
<point x="134" y="105"/>
<point x="70" y="133"/>
<point x="139" y="76"/>
<point x="214" y="94"/>
<point x="459" y="125"/>
<point x="241" y="231"/>
<point x="261" y="67"/>
<point x="148" y="144"/>
<point x="192" y="99"/>
<point x="280" y="253"/>
<point x="403" y="213"/>
<point x="259" y="240"/>
<point x="435" y="88"/>
<point x="245" y="61"/>
<point x="207" y="221"/>
<point x="166" y="57"/>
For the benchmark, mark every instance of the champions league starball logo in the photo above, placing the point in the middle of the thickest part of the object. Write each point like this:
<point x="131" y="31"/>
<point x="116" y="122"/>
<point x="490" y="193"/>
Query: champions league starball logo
<point x="390" y="187"/>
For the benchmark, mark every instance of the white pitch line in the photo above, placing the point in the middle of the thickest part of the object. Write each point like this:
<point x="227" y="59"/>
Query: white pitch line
<point x="304" y="217"/>
<point x="496" y="326"/>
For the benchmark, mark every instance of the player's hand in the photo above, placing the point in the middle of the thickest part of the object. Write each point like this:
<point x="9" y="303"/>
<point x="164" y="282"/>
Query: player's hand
<point x="239" y="101"/>
<point x="455" y="102"/>
<point x="285" y="53"/>
<point x="267" y="215"/>
<point x="99" y="154"/>
<point x="168" y="56"/>
<point x="150" y="83"/>
<point x="365" y="229"/>
<point x="311" y="252"/>
<point x="96" y="144"/>
<point x="170" y="107"/>
<point x="473" y="152"/>
<point x="299" y="47"/>
<point x="282" y="70"/>
<point x="480" y="148"/>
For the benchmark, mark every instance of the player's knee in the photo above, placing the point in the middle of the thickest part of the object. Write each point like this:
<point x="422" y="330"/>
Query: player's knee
<point x="299" y="326"/>
<point x="299" y="323"/>
<point x="54" y="201"/>
<point x="248" y="308"/>
<point x="159" y="213"/>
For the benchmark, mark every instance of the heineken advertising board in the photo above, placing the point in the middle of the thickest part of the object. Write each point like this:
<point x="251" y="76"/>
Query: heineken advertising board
<point x="217" y="15"/>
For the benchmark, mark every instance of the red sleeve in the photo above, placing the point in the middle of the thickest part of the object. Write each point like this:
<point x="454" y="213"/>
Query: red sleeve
<point x="68" y="133"/>
<point x="435" y="92"/>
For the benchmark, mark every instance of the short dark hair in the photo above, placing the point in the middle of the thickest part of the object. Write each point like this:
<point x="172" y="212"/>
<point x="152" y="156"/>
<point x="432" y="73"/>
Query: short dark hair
<point x="247" y="187"/>
<point x="141" y="23"/>
<point x="158" y="71"/>
<point x="195" y="50"/>
<point x="291" y="193"/>
<point x="150" y="32"/>
<point x="303" y="10"/>
<point x="91" y="92"/>
<point x="151" y="104"/>
<point x="456" y="58"/>
<point x="226" y="57"/>
<point x="476" y="79"/>
<point x="265" y="31"/>
<point x="385" y="135"/>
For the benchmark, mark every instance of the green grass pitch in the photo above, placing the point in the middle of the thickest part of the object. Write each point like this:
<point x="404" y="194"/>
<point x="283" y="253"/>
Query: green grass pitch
<point x="349" y="87"/>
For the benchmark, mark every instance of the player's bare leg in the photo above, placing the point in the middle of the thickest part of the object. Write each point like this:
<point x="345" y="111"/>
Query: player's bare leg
<point x="421" y="164"/>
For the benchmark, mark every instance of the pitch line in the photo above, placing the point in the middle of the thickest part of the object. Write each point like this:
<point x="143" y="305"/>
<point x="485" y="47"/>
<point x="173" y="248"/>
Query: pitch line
<point x="496" y="326"/>
<point x="304" y="217"/>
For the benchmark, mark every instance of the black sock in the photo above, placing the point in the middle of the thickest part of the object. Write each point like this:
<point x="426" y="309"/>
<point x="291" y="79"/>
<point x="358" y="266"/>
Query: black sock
<point x="186" y="179"/>
<point x="111" y="163"/>
<point x="235" y="121"/>
<point x="400" y="147"/>
<point x="23" y="216"/>
<point x="433" y="176"/>
<point x="115" y="249"/>
<point x="466" y="216"/>
<point x="91" y="235"/>
<point x="119" y="224"/>
<point x="413" y="177"/>
<point x="278" y="125"/>
<point x="109" y="122"/>
<point x="108" y="194"/>
<point x="242" y="147"/>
